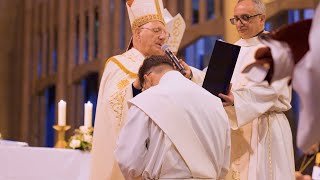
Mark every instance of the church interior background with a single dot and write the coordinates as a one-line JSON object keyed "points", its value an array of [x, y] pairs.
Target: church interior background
{"points": [[56, 49]]}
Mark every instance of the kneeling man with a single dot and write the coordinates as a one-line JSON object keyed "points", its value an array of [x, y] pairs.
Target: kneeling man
{"points": [[175, 128]]}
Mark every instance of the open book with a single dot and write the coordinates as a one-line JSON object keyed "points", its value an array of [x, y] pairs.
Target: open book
{"points": [[222, 62]]}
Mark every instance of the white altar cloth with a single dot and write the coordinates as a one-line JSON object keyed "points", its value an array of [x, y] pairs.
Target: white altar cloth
{"points": [[36, 163]]}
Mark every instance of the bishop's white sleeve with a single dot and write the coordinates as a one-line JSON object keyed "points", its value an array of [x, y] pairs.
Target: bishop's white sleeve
{"points": [[132, 144], [198, 76]]}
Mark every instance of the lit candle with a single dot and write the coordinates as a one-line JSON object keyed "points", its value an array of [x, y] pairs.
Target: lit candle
{"points": [[62, 113], [88, 114]]}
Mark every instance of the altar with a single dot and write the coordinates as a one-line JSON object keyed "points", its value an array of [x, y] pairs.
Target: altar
{"points": [[38, 163]]}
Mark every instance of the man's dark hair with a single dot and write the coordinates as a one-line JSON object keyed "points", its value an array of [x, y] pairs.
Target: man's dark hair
{"points": [[150, 62]]}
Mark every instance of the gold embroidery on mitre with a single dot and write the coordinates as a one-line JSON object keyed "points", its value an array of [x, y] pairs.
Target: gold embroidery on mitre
{"points": [[175, 33], [148, 18], [145, 19]]}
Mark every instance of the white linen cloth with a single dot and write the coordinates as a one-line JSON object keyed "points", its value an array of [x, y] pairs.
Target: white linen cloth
{"points": [[36, 163]]}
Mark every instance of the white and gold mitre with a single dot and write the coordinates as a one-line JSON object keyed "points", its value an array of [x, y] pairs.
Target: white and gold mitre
{"points": [[143, 11], [176, 27]]}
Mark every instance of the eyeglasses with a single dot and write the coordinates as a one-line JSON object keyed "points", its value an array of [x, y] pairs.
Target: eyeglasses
{"points": [[158, 31], [243, 18]]}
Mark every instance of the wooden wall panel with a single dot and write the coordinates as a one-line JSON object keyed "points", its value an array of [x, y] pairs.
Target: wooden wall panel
{"points": [[104, 50], [61, 81], [51, 30], [91, 8], [44, 22], [71, 98], [188, 12], [202, 11], [26, 95], [172, 6], [81, 30], [116, 27]]}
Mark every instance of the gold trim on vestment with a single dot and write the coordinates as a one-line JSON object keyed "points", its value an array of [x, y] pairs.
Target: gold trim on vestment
{"points": [[122, 67]]}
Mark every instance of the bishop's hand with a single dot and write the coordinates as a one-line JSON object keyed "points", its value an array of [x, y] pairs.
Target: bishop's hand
{"points": [[187, 68]]}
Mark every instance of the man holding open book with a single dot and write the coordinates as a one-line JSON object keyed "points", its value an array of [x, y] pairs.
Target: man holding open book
{"points": [[261, 137]]}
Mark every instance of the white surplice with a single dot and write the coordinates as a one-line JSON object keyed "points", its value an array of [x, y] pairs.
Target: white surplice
{"points": [[175, 130], [114, 91], [261, 136]]}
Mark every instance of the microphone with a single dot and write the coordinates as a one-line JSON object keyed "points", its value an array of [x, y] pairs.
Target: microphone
{"points": [[173, 58]]}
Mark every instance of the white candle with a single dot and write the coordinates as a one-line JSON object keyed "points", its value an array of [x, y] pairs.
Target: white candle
{"points": [[88, 114], [62, 113]]}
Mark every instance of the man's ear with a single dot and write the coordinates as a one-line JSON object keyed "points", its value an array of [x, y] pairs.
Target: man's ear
{"points": [[263, 19], [145, 78], [136, 33]]}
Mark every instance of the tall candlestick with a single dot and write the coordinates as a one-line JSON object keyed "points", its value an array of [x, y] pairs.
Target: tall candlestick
{"points": [[88, 114], [62, 113]]}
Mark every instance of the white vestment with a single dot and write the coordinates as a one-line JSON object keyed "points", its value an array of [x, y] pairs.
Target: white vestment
{"points": [[306, 81], [306, 78], [261, 139], [115, 89], [175, 130]]}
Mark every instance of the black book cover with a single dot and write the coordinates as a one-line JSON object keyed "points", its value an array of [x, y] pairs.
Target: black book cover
{"points": [[221, 66]]}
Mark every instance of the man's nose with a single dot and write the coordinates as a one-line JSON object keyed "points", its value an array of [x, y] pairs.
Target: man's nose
{"points": [[162, 36], [239, 22]]}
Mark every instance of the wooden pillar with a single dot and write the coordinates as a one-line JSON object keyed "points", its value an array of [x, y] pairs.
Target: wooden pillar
{"points": [[217, 8], [116, 27], [91, 29], [104, 34], [71, 63], [35, 106], [51, 23], [12, 124], [36, 44], [202, 11], [26, 101], [45, 37], [81, 31], [61, 55], [173, 7], [188, 12], [128, 31], [231, 34]]}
